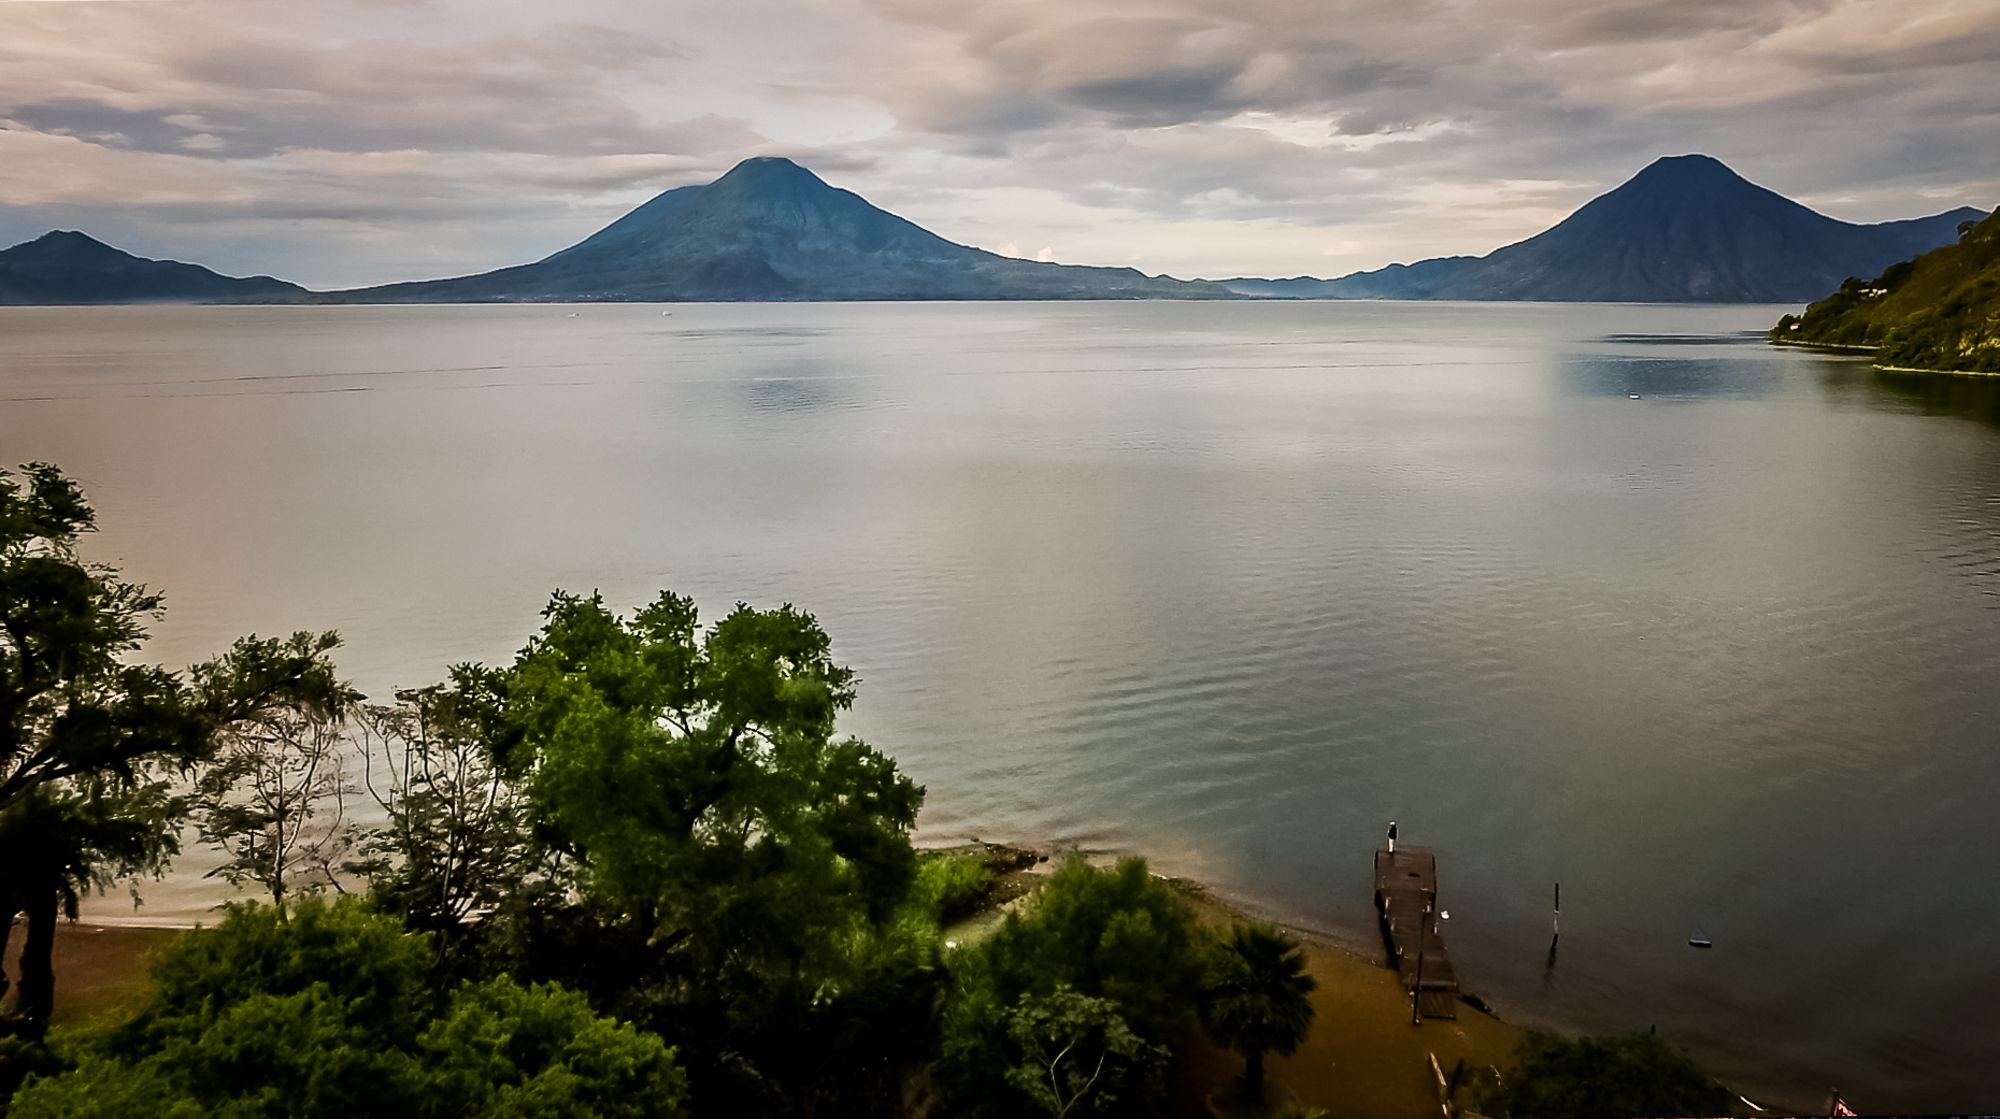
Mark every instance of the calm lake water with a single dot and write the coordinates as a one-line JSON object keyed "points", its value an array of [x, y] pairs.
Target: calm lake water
{"points": [[1232, 585]]}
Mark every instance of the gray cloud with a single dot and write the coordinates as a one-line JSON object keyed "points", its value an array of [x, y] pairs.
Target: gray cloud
{"points": [[348, 141]]}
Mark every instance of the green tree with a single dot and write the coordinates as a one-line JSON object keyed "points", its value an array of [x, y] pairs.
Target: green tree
{"points": [[695, 777], [738, 868], [1117, 935], [1587, 1077], [91, 747], [1076, 1056], [327, 1014], [1260, 1000], [540, 1052]]}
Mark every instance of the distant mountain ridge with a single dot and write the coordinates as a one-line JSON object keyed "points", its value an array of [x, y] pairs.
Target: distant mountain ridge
{"points": [[1684, 229], [64, 267], [1940, 311], [772, 230]]}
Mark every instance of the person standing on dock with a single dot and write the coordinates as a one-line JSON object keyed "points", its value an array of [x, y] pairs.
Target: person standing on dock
{"points": [[1392, 837]]}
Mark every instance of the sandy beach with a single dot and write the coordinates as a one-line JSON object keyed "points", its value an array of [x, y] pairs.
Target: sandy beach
{"points": [[1363, 1057]]}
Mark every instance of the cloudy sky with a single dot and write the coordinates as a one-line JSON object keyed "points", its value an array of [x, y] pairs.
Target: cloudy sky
{"points": [[341, 142]]}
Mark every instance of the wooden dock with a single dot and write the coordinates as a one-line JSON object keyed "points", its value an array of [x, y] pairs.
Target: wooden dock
{"points": [[1406, 896]]}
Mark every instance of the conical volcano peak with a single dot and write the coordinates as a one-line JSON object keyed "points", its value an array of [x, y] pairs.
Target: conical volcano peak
{"points": [[66, 243], [767, 172], [1684, 172], [772, 230], [69, 237], [1686, 228]]}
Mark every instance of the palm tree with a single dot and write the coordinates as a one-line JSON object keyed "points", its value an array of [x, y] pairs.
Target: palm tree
{"points": [[1260, 1001]]}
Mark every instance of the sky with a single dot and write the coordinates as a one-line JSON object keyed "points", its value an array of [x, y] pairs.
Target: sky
{"points": [[348, 142]]}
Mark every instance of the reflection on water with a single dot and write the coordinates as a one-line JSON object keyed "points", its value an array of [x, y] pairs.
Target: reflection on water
{"points": [[1853, 383], [1972, 398], [1731, 338], [1229, 584], [1593, 375]]}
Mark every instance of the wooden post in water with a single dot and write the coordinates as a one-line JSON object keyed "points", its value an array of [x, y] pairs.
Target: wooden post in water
{"points": [[1417, 992], [1556, 932]]}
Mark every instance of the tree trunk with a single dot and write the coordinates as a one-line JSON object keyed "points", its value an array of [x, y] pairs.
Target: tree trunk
{"points": [[7, 911], [1253, 1074], [38, 971]]}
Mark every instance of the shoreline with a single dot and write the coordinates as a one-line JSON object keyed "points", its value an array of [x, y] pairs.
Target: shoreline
{"points": [[1865, 351], [1829, 347], [1905, 369], [1363, 1056]]}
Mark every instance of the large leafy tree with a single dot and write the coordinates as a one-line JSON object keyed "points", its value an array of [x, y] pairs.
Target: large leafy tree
{"points": [[1261, 999], [739, 866], [91, 747]]}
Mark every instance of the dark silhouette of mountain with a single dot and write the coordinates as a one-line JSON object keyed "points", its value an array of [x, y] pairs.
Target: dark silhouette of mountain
{"points": [[1940, 311], [68, 267], [1685, 229], [772, 230]]}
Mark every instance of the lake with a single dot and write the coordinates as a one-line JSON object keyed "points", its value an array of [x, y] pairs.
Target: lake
{"points": [[1615, 596]]}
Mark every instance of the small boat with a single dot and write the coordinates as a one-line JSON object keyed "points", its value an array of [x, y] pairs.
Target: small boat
{"points": [[1699, 939]]}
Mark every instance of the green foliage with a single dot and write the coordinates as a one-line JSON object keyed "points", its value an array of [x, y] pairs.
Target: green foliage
{"points": [[695, 778], [327, 1014], [730, 873], [22, 1056], [542, 1053], [1260, 1000], [86, 742], [90, 746], [363, 961], [1585, 1078], [951, 886], [1076, 1056], [1939, 311], [1116, 935]]}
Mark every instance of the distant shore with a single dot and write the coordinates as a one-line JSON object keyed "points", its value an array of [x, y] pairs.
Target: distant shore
{"points": [[1940, 372], [1864, 351], [1828, 347]]}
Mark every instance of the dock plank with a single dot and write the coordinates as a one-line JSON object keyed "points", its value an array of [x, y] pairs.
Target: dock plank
{"points": [[1406, 898]]}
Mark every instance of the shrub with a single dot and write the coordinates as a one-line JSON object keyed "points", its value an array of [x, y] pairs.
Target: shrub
{"points": [[327, 1015], [1585, 1078], [952, 886]]}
